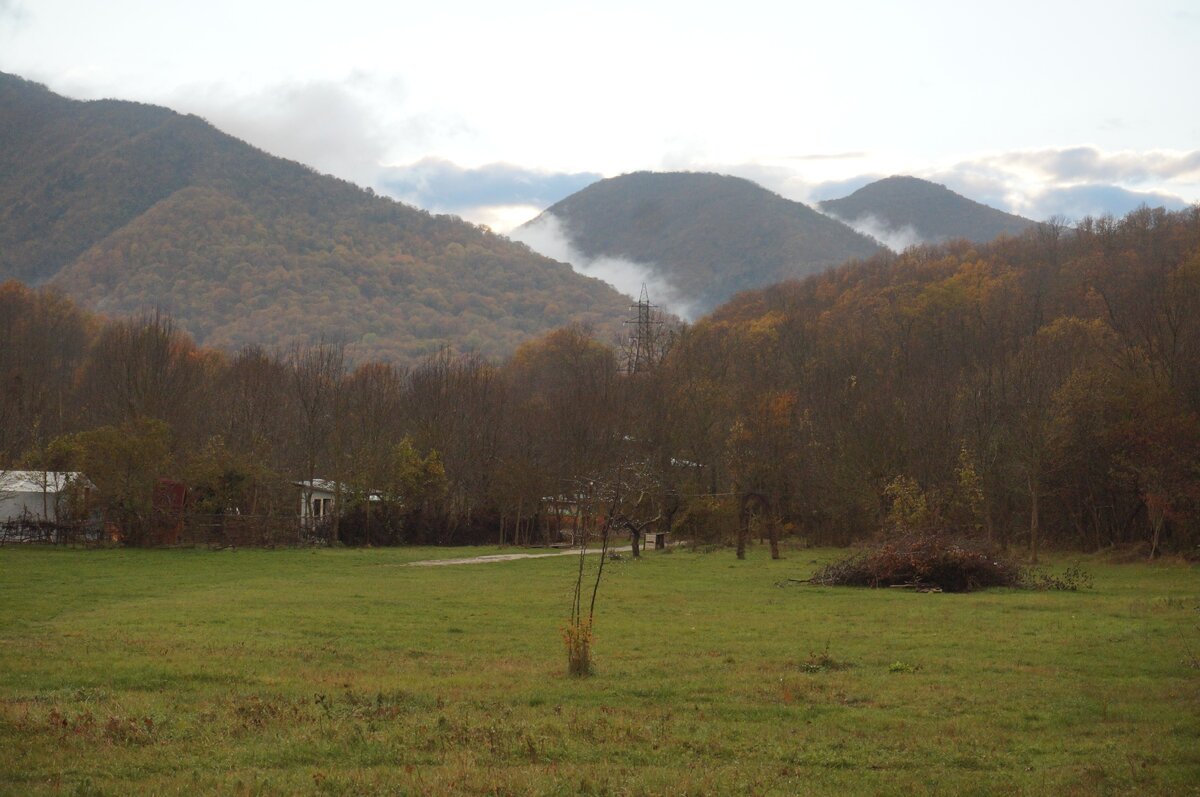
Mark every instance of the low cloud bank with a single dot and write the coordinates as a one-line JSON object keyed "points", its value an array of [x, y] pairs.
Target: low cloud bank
{"points": [[895, 238], [1093, 165], [546, 236], [1074, 182], [1075, 202]]}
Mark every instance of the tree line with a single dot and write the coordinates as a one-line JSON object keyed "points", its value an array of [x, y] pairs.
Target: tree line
{"points": [[1041, 390]]}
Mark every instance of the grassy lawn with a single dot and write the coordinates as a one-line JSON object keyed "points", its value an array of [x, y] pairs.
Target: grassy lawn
{"points": [[345, 672]]}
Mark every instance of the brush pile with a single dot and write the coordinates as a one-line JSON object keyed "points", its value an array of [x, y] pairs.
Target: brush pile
{"points": [[928, 561]]}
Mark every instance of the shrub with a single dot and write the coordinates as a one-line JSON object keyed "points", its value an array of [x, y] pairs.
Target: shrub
{"points": [[577, 636]]}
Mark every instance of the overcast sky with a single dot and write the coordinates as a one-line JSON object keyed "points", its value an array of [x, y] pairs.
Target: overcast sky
{"points": [[494, 110]]}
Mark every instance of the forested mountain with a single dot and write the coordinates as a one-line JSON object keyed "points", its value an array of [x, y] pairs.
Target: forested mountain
{"points": [[707, 235], [932, 212], [128, 206]]}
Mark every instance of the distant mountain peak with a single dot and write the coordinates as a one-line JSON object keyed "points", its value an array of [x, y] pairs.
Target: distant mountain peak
{"points": [[901, 210], [701, 236]]}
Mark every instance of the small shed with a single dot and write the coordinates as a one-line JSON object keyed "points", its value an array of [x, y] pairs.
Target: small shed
{"points": [[316, 499], [38, 494]]}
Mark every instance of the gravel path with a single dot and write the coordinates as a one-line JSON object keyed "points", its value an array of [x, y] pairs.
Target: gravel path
{"points": [[496, 557]]}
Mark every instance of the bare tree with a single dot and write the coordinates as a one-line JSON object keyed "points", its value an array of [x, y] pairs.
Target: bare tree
{"points": [[317, 373]]}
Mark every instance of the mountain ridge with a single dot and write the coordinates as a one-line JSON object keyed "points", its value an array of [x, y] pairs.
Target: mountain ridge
{"points": [[707, 235], [930, 210], [129, 206]]}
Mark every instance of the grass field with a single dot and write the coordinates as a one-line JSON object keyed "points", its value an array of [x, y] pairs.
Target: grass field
{"points": [[346, 672]]}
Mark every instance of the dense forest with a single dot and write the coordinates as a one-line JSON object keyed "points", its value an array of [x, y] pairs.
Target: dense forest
{"points": [[127, 207], [1038, 390], [931, 211], [706, 235]]}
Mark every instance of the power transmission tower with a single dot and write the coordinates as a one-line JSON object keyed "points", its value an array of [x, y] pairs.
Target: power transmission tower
{"points": [[641, 354]]}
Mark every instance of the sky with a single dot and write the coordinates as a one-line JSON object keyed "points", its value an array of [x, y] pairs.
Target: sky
{"points": [[495, 110]]}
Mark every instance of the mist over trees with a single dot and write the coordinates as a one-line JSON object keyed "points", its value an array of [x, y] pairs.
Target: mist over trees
{"points": [[1040, 391]]}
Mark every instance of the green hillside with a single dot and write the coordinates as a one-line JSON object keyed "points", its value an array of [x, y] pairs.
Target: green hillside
{"points": [[128, 206]]}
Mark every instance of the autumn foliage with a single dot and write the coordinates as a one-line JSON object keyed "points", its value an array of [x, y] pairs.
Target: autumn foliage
{"points": [[1039, 391]]}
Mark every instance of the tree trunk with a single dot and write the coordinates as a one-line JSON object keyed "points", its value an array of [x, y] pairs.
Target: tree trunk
{"points": [[1156, 523], [1033, 520], [773, 536], [337, 511]]}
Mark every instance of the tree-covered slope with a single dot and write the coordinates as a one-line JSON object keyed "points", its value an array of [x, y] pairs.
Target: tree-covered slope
{"points": [[129, 206], [707, 235], [1057, 371], [933, 212]]}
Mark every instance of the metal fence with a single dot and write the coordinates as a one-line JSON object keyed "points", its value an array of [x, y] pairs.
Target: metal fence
{"points": [[170, 529]]}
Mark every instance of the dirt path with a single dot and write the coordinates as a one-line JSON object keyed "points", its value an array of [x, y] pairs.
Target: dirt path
{"points": [[496, 557]]}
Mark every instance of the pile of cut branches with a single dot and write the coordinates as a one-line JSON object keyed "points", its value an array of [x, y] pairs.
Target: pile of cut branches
{"points": [[924, 561]]}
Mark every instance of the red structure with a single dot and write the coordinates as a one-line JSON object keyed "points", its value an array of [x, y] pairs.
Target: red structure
{"points": [[170, 501]]}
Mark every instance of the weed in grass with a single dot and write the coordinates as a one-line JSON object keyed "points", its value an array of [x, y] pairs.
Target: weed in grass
{"points": [[1191, 658], [129, 730], [577, 636], [903, 667], [1072, 579], [85, 788], [823, 662]]}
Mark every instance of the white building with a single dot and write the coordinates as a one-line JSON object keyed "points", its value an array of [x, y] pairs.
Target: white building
{"points": [[317, 498], [37, 494]]}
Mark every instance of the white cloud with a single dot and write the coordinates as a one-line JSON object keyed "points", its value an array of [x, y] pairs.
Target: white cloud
{"points": [[1069, 181], [1092, 165], [546, 236], [12, 14], [330, 125], [895, 238], [500, 218], [1075, 181], [1076, 201]]}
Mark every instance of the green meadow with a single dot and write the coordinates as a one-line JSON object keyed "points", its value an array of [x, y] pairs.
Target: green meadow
{"points": [[256, 672]]}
